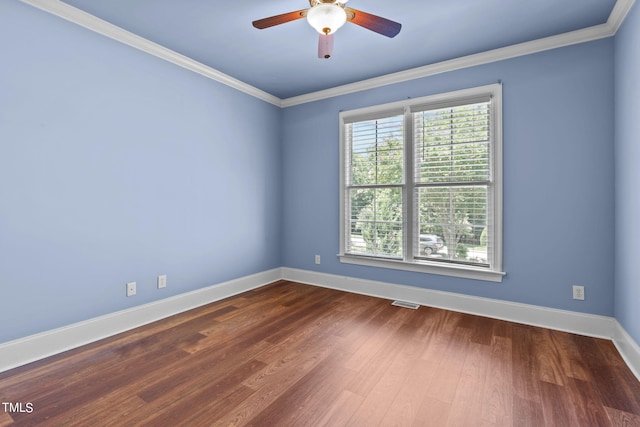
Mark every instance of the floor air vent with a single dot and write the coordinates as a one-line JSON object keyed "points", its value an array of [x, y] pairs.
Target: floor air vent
{"points": [[406, 304]]}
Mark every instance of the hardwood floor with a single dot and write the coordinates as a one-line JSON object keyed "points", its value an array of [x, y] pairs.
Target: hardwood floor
{"points": [[294, 355]]}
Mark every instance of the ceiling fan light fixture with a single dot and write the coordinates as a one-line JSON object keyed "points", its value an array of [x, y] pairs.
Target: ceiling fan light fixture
{"points": [[326, 18]]}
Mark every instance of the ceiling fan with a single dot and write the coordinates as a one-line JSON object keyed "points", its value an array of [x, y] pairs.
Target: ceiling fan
{"points": [[327, 16]]}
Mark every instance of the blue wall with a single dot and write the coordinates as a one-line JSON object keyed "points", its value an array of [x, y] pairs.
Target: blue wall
{"points": [[627, 177], [558, 178], [116, 166]]}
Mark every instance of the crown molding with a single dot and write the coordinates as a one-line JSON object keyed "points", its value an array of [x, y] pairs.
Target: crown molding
{"points": [[513, 51], [609, 29], [91, 22], [619, 12]]}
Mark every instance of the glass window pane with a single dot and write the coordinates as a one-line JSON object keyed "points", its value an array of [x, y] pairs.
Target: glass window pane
{"points": [[452, 224], [377, 152], [452, 144], [375, 223]]}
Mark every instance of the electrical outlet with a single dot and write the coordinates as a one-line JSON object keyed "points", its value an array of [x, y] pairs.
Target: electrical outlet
{"points": [[578, 292], [317, 259], [162, 281], [131, 289]]}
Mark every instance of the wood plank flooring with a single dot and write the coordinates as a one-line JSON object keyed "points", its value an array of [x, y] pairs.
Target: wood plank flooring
{"points": [[295, 355]]}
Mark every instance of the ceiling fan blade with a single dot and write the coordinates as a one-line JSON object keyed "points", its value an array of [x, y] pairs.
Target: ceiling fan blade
{"points": [[325, 46], [279, 19], [380, 25]]}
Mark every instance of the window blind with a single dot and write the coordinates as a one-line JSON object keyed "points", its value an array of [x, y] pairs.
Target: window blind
{"points": [[452, 179], [375, 177], [421, 184]]}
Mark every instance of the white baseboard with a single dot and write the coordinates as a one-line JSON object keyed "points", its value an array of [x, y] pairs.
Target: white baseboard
{"points": [[561, 320], [569, 321], [628, 348], [35, 347]]}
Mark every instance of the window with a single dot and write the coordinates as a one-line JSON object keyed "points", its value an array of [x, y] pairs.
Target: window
{"points": [[421, 184]]}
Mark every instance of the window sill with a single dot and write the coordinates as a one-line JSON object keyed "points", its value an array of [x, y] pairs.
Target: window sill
{"points": [[463, 271]]}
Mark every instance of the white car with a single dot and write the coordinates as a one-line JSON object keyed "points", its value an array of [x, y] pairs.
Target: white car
{"points": [[430, 244]]}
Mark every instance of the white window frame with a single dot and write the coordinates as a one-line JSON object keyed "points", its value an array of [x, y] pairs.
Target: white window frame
{"points": [[492, 273]]}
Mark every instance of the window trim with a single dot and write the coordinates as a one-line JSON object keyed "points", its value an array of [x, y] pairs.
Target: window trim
{"points": [[494, 273]]}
